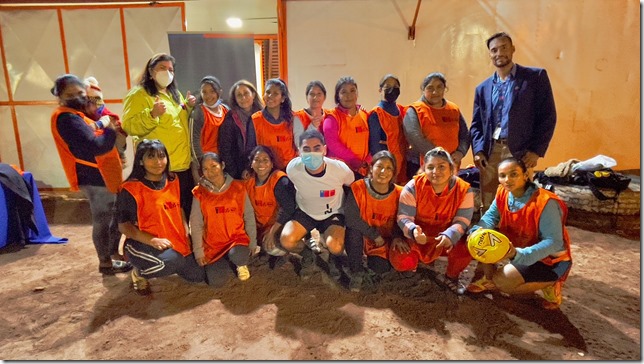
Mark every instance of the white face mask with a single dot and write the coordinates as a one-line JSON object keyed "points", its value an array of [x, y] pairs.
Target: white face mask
{"points": [[163, 78], [217, 103]]}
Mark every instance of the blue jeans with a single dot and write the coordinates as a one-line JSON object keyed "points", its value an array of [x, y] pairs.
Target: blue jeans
{"points": [[105, 230], [154, 263]]}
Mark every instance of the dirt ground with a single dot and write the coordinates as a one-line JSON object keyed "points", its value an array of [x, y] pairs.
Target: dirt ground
{"points": [[57, 306]]}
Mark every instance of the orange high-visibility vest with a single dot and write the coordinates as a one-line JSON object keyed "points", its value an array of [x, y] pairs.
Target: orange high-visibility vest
{"points": [[159, 212], [522, 226], [223, 215], [264, 202], [353, 132], [440, 126], [380, 214], [109, 164], [210, 130], [277, 137], [396, 141]]}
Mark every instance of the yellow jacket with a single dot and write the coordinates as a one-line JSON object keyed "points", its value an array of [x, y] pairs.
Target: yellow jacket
{"points": [[170, 128]]}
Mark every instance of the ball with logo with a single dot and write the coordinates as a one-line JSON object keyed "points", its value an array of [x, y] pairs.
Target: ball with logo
{"points": [[488, 246]]}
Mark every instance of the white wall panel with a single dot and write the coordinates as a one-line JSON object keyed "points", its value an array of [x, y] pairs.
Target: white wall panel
{"points": [[38, 149], [147, 34], [8, 150], [95, 48], [595, 76], [34, 52]]}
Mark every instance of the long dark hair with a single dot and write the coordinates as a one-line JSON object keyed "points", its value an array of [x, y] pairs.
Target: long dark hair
{"points": [[286, 107], [257, 103], [147, 82], [258, 149], [148, 147]]}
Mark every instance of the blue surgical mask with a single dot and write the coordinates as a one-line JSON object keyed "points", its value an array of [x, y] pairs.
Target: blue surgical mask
{"points": [[312, 160], [217, 103]]}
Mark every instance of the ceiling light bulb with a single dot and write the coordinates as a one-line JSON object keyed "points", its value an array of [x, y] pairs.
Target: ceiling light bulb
{"points": [[234, 22]]}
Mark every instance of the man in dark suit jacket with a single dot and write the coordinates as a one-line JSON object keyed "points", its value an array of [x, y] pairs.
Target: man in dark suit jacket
{"points": [[514, 115]]}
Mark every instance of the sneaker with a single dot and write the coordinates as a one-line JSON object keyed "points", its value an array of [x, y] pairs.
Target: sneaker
{"points": [[118, 266], [481, 285], [453, 284], [355, 284], [308, 268], [552, 296], [140, 284], [243, 273], [313, 245]]}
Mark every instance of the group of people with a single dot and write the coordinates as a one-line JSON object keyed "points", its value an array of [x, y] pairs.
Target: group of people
{"points": [[215, 183]]}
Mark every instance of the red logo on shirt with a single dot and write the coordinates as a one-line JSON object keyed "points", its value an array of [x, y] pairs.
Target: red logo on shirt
{"points": [[281, 138], [224, 210], [361, 129], [170, 205]]}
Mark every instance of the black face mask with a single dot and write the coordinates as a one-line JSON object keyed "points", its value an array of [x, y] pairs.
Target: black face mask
{"points": [[77, 103], [392, 94]]}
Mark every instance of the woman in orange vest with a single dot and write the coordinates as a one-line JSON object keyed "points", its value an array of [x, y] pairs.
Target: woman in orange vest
{"points": [[434, 212], [274, 124], [312, 116], [222, 223], [273, 198], [205, 120], [385, 126], [91, 164], [433, 121], [346, 130], [370, 214], [534, 221], [151, 218]]}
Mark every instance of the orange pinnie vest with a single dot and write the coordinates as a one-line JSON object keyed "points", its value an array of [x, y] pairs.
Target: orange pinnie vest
{"points": [[277, 137], [210, 130], [396, 141], [440, 126], [223, 215], [380, 214], [305, 118], [522, 227], [434, 213], [159, 212], [109, 164], [264, 202], [353, 132]]}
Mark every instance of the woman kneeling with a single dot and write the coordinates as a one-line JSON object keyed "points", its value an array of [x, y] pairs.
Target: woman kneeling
{"points": [[534, 221], [151, 218], [222, 223]]}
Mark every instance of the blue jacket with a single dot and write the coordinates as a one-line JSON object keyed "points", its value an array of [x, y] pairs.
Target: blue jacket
{"points": [[532, 116]]}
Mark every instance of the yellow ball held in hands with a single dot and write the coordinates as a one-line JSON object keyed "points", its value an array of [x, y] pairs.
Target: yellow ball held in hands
{"points": [[488, 246]]}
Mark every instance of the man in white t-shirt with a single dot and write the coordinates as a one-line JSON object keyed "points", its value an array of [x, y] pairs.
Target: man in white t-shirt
{"points": [[319, 194]]}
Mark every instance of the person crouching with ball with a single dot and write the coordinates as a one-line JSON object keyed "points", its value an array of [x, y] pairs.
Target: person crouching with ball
{"points": [[533, 219]]}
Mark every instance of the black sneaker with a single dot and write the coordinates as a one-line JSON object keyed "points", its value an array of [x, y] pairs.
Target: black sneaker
{"points": [[308, 268], [118, 266], [355, 284]]}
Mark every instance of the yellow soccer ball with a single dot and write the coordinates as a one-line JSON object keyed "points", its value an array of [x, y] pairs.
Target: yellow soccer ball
{"points": [[488, 246]]}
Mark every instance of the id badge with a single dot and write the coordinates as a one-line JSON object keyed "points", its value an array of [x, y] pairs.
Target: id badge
{"points": [[497, 133]]}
